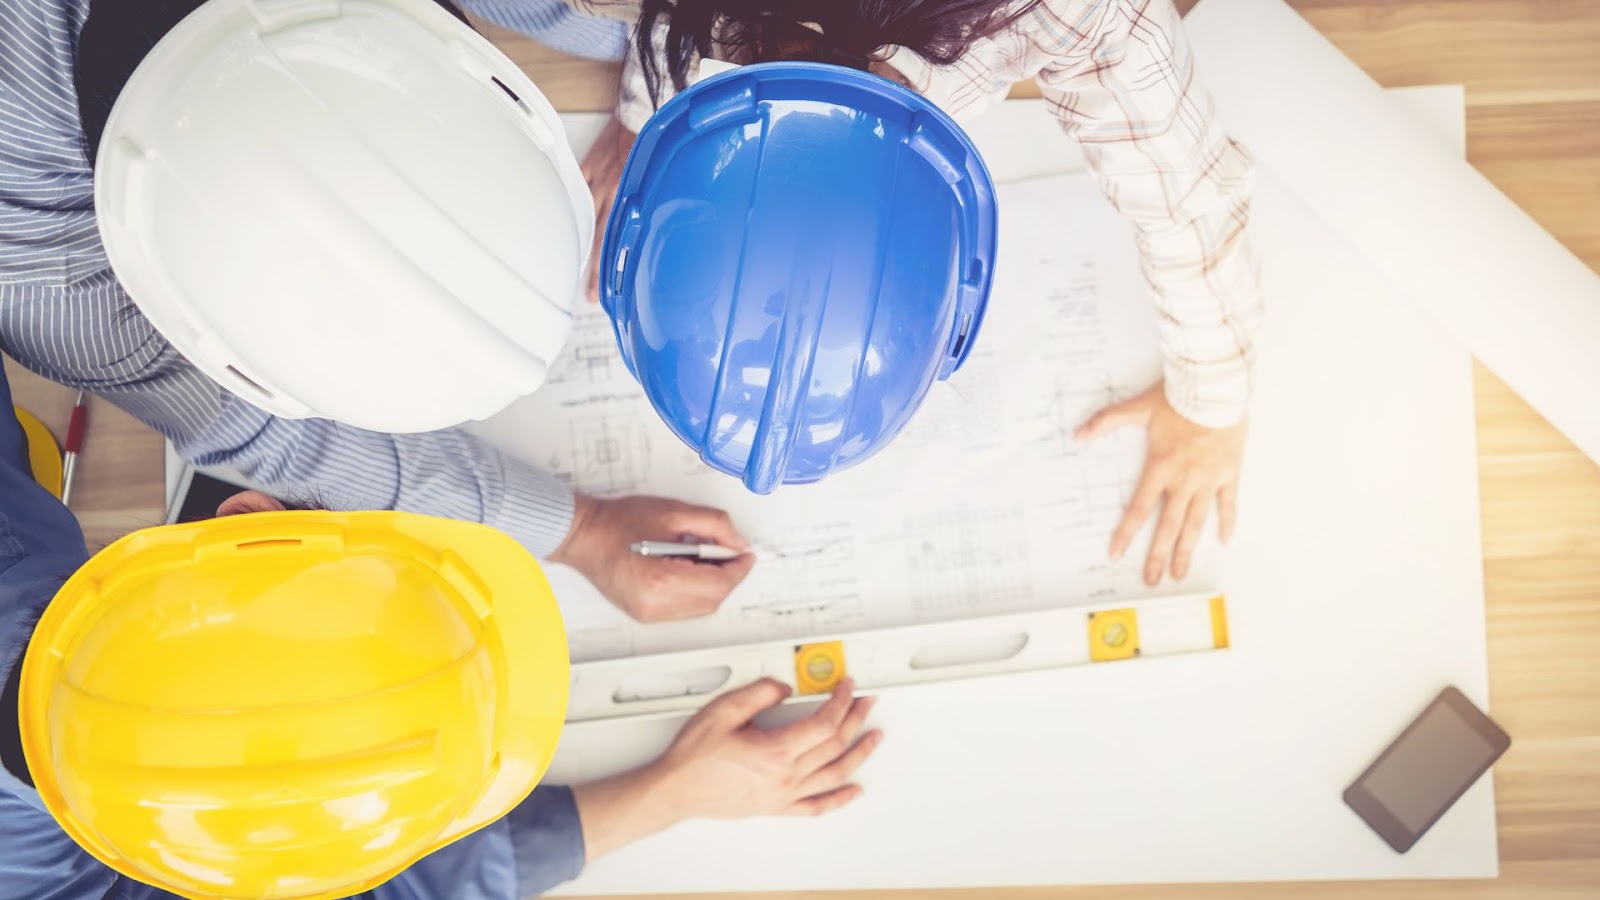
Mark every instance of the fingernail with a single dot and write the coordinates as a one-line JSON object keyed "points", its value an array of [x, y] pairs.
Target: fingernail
{"points": [[1116, 553]]}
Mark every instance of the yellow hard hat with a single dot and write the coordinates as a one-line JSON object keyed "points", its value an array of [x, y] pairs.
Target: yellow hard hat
{"points": [[292, 704]]}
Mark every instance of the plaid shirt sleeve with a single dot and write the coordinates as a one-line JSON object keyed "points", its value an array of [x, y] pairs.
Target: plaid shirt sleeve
{"points": [[1123, 85], [1120, 77]]}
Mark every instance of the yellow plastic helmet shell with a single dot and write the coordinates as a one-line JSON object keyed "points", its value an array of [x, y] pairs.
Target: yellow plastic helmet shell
{"points": [[44, 457], [293, 704]]}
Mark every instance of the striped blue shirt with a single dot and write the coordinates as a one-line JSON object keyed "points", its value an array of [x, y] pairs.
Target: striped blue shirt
{"points": [[63, 314], [554, 24]]}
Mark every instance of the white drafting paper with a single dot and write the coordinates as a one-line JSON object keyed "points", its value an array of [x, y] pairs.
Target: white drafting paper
{"points": [[986, 504], [1355, 594], [1450, 241]]}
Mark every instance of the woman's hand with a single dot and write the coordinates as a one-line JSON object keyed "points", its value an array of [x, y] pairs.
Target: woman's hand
{"points": [[1188, 464]]}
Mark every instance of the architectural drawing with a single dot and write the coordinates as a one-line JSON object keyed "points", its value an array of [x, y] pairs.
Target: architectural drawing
{"points": [[986, 503], [591, 357], [968, 561], [609, 456]]}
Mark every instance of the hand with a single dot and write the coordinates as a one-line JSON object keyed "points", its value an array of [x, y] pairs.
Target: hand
{"points": [[653, 589], [602, 169], [723, 766], [1188, 464]]}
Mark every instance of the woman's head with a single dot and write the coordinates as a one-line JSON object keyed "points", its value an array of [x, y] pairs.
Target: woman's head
{"points": [[843, 32]]}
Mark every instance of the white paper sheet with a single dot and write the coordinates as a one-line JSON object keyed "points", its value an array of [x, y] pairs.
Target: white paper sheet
{"points": [[1451, 242], [1355, 595]]}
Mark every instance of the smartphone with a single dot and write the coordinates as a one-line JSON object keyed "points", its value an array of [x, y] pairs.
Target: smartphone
{"points": [[1426, 770], [199, 495]]}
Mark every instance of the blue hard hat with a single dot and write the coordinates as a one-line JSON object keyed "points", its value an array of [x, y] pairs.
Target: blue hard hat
{"points": [[796, 253]]}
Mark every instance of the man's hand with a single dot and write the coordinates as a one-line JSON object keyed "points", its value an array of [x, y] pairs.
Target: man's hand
{"points": [[602, 169], [1187, 464], [653, 589], [723, 766]]}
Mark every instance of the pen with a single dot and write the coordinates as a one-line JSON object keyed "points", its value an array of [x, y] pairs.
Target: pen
{"points": [[713, 552], [76, 428]]}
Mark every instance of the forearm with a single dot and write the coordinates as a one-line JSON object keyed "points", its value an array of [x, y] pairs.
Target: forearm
{"points": [[1165, 161], [622, 809], [1205, 280]]}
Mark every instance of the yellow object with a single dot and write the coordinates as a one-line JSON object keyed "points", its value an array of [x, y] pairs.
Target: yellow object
{"points": [[44, 454], [818, 667], [1113, 634], [1219, 622], [292, 704]]}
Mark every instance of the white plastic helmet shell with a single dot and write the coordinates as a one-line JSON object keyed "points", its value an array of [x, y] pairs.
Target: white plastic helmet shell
{"points": [[351, 209]]}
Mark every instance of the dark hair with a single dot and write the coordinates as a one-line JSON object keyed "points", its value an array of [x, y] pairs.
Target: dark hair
{"points": [[941, 31], [114, 39]]}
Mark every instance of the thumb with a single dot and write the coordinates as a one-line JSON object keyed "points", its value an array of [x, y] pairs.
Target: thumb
{"points": [[1128, 412], [736, 708]]}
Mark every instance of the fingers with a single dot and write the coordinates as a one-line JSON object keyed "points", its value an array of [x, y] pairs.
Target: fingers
{"points": [[706, 583], [1166, 536], [705, 523], [1128, 412], [1135, 411], [1145, 498], [737, 707], [1227, 510], [834, 747], [804, 734], [838, 773], [823, 803], [1193, 522], [676, 588]]}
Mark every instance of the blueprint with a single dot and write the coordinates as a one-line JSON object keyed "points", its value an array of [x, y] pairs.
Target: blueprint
{"points": [[985, 504]]}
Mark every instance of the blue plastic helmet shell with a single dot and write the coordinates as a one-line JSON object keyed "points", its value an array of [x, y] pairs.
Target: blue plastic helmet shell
{"points": [[796, 253]]}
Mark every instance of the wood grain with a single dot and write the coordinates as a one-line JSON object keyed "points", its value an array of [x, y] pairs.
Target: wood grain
{"points": [[120, 485], [1532, 71]]}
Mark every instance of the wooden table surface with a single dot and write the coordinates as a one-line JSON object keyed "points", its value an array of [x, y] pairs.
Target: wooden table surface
{"points": [[1532, 72]]}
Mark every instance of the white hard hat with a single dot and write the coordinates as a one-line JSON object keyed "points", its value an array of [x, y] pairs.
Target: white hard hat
{"points": [[351, 209]]}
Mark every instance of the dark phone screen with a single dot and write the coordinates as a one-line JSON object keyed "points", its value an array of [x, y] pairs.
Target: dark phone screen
{"points": [[205, 494], [1426, 769]]}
